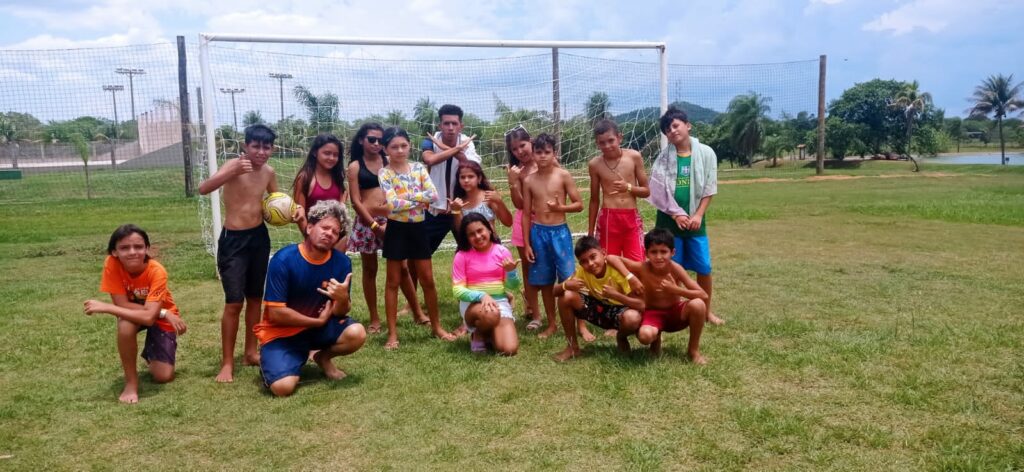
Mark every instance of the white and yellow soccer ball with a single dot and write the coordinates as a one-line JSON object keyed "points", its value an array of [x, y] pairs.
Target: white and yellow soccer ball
{"points": [[278, 209]]}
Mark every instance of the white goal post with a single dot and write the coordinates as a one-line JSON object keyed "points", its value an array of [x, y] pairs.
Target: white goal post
{"points": [[209, 111]]}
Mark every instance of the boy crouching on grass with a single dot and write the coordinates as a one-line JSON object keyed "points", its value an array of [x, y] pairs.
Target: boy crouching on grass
{"points": [[599, 292], [673, 301]]}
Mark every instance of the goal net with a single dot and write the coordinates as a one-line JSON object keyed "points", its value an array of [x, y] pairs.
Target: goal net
{"points": [[303, 89]]}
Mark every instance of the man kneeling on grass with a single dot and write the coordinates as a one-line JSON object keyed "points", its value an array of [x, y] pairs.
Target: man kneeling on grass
{"points": [[305, 307]]}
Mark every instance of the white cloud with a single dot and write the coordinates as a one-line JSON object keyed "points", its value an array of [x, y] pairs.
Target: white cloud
{"points": [[936, 16]]}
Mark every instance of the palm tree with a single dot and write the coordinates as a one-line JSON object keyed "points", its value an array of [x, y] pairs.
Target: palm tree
{"points": [[744, 122], [911, 102], [425, 115], [323, 108], [252, 117], [996, 96], [597, 107], [395, 118], [774, 147]]}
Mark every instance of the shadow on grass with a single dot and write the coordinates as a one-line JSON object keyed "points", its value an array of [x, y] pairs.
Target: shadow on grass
{"points": [[147, 387]]}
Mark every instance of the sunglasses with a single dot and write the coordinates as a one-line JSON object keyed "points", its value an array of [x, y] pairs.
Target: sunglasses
{"points": [[518, 127], [373, 139]]}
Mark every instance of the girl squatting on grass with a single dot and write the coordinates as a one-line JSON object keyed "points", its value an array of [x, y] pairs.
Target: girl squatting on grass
{"points": [[137, 286], [482, 272]]}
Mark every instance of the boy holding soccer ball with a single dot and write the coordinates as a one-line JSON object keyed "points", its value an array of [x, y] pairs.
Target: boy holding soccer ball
{"points": [[243, 247]]}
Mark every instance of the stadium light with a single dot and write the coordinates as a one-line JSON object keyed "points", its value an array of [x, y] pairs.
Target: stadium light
{"points": [[233, 91], [113, 89], [280, 76], [131, 73]]}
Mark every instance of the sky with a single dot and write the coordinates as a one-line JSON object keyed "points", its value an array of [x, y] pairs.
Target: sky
{"points": [[949, 46]]}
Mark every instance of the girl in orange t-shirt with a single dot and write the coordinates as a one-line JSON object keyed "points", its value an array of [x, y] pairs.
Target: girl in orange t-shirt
{"points": [[141, 301]]}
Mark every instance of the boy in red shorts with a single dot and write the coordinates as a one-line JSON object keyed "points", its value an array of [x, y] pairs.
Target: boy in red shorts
{"points": [[673, 301], [617, 179]]}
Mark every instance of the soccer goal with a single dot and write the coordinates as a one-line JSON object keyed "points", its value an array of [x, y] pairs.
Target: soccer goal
{"points": [[303, 86]]}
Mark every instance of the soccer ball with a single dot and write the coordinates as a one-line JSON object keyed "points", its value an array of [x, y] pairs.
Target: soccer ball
{"points": [[278, 208]]}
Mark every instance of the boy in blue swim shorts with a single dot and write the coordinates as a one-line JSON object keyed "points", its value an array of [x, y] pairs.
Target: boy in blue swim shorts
{"points": [[684, 179], [548, 194]]}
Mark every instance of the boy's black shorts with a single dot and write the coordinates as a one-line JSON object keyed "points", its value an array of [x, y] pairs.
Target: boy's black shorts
{"points": [[242, 258]]}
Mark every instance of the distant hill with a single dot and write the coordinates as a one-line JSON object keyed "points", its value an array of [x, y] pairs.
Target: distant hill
{"points": [[694, 112]]}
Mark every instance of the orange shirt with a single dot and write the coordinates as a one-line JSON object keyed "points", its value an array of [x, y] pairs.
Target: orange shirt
{"points": [[149, 286]]}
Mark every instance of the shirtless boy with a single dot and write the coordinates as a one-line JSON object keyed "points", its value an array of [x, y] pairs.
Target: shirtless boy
{"points": [[673, 301], [548, 239], [617, 179], [243, 247]]}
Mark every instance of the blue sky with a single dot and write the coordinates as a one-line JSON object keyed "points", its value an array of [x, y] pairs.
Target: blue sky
{"points": [[949, 46]]}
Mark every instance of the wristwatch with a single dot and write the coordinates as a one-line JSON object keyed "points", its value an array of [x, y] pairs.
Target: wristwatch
{"points": [[163, 313]]}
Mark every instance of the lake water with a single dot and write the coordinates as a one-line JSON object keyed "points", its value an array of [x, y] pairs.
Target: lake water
{"points": [[1016, 159]]}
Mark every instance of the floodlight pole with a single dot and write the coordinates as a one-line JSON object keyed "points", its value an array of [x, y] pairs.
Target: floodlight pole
{"points": [[234, 113], [280, 76], [131, 73], [113, 89]]}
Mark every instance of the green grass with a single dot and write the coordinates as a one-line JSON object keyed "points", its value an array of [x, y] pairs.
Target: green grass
{"points": [[873, 323]]}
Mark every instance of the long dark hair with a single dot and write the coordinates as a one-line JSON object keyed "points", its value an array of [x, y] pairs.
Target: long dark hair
{"points": [[124, 231], [519, 134], [355, 149], [483, 183], [391, 133], [305, 175], [463, 241]]}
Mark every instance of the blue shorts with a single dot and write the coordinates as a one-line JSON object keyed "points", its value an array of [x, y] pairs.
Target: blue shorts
{"points": [[693, 254], [284, 357], [552, 251]]}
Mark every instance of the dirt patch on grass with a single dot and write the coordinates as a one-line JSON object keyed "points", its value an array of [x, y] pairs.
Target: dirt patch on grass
{"points": [[817, 178]]}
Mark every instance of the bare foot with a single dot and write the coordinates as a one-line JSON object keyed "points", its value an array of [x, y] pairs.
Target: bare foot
{"points": [[697, 358], [422, 321], [715, 320], [587, 335], [445, 336], [405, 310], [552, 329], [608, 333], [251, 359], [622, 343], [656, 346], [391, 345], [130, 394], [226, 374], [330, 371], [568, 354], [374, 328], [460, 331]]}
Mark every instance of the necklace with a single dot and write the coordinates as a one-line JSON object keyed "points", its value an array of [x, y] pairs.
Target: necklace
{"points": [[617, 163]]}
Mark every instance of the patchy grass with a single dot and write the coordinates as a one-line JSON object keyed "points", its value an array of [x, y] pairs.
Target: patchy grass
{"points": [[872, 324]]}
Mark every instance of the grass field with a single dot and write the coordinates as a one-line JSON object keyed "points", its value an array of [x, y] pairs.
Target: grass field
{"points": [[873, 323]]}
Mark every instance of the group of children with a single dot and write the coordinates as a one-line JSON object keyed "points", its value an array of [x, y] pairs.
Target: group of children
{"points": [[617, 278]]}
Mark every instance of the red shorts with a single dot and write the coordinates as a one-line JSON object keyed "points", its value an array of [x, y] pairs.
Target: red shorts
{"points": [[621, 232], [670, 320]]}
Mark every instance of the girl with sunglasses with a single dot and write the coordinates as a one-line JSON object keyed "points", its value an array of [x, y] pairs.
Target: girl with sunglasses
{"points": [[366, 159]]}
